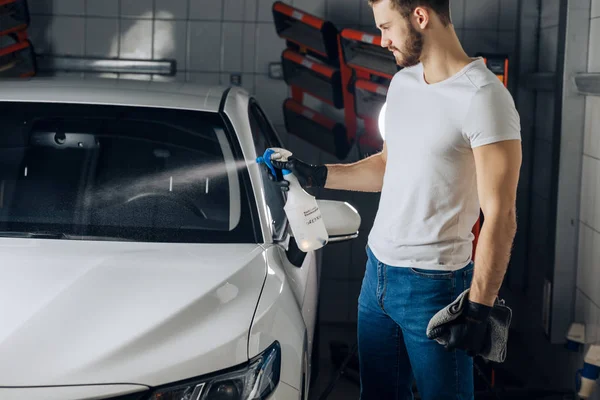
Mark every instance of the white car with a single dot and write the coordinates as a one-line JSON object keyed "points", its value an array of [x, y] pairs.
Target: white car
{"points": [[144, 253]]}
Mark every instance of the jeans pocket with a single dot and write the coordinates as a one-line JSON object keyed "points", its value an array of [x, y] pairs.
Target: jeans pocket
{"points": [[432, 274]]}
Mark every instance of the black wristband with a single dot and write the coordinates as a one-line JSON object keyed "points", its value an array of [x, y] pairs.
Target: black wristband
{"points": [[319, 177]]}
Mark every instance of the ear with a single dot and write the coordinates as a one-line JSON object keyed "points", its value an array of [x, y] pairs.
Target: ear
{"points": [[421, 16]]}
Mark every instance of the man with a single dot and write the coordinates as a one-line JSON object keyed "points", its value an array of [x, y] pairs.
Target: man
{"points": [[452, 146]]}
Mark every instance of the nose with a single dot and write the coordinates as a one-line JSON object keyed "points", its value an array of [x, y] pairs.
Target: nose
{"points": [[385, 42]]}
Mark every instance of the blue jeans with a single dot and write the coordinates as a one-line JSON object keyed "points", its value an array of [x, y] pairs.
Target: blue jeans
{"points": [[394, 308]]}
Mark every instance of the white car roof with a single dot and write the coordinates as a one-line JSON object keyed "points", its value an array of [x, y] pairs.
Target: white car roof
{"points": [[107, 91]]}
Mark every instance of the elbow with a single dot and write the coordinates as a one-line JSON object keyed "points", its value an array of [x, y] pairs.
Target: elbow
{"points": [[505, 217]]}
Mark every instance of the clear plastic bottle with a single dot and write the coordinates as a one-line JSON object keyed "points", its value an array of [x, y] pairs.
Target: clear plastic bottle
{"points": [[302, 209], [305, 216]]}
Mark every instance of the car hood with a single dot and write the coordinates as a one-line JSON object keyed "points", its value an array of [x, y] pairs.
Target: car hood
{"points": [[90, 313]]}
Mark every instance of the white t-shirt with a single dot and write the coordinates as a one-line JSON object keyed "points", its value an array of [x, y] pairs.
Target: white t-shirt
{"points": [[429, 201]]}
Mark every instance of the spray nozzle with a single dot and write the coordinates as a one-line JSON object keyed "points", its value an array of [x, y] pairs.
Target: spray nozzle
{"points": [[267, 158]]}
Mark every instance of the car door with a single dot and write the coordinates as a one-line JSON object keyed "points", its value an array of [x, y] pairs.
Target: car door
{"points": [[301, 268]]}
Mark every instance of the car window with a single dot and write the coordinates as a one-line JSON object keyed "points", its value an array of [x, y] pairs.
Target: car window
{"points": [[124, 173], [264, 136]]}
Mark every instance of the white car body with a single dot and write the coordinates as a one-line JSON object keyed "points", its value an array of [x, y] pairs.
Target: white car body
{"points": [[103, 319]]}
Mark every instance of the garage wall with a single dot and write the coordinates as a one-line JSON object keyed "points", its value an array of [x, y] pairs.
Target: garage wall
{"points": [[213, 39], [587, 300]]}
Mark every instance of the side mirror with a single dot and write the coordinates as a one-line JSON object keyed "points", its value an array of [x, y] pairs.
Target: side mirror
{"points": [[341, 220]]}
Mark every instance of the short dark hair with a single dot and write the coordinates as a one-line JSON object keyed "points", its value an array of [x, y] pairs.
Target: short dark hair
{"points": [[406, 7]]}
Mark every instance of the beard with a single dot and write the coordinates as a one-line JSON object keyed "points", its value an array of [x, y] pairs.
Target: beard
{"points": [[413, 47]]}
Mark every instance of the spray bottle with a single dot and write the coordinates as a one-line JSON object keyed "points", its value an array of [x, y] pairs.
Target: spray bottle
{"points": [[302, 210]]}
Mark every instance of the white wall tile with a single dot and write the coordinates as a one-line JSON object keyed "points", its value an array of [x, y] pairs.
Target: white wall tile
{"points": [[595, 269], [588, 313], [249, 48], [103, 8], [233, 10], [136, 38], [204, 39], [588, 269], [68, 7], [595, 8], [248, 83], [204, 78], [101, 37], [580, 306], [250, 10], [588, 190], [265, 10], [481, 14], [313, 7], [595, 214], [137, 8], [592, 126], [206, 10], [171, 9], [509, 16], [457, 13], [271, 94], [232, 42], [269, 47], [67, 35], [170, 41], [584, 258], [594, 52], [342, 12]]}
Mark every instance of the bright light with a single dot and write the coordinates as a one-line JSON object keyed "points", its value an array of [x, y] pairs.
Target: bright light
{"points": [[382, 121]]}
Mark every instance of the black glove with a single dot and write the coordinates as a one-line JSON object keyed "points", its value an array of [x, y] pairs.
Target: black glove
{"points": [[470, 331], [308, 175]]}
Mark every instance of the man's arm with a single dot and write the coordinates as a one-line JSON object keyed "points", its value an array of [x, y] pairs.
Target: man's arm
{"points": [[363, 176], [498, 166]]}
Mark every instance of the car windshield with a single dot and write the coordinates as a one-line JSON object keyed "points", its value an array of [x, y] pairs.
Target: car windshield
{"points": [[72, 171]]}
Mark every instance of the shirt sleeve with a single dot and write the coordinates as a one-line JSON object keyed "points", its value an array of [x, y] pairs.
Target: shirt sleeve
{"points": [[492, 117]]}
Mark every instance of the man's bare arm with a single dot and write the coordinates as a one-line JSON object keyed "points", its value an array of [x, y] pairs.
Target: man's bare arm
{"points": [[363, 176], [498, 166]]}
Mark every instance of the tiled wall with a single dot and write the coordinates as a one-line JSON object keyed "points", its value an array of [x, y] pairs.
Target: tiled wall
{"points": [[554, 365], [211, 39], [587, 303]]}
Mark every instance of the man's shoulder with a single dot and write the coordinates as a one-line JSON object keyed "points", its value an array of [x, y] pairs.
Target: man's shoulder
{"points": [[480, 77], [407, 74]]}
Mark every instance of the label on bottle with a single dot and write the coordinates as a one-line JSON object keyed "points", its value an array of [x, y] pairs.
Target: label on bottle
{"points": [[311, 216]]}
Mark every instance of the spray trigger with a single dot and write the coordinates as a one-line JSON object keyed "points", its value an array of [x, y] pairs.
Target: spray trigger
{"points": [[274, 154]]}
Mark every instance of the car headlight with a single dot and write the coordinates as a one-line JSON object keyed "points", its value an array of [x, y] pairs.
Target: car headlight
{"points": [[257, 380]]}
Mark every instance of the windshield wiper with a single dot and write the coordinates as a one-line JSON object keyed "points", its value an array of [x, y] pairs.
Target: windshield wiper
{"points": [[33, 235]]}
